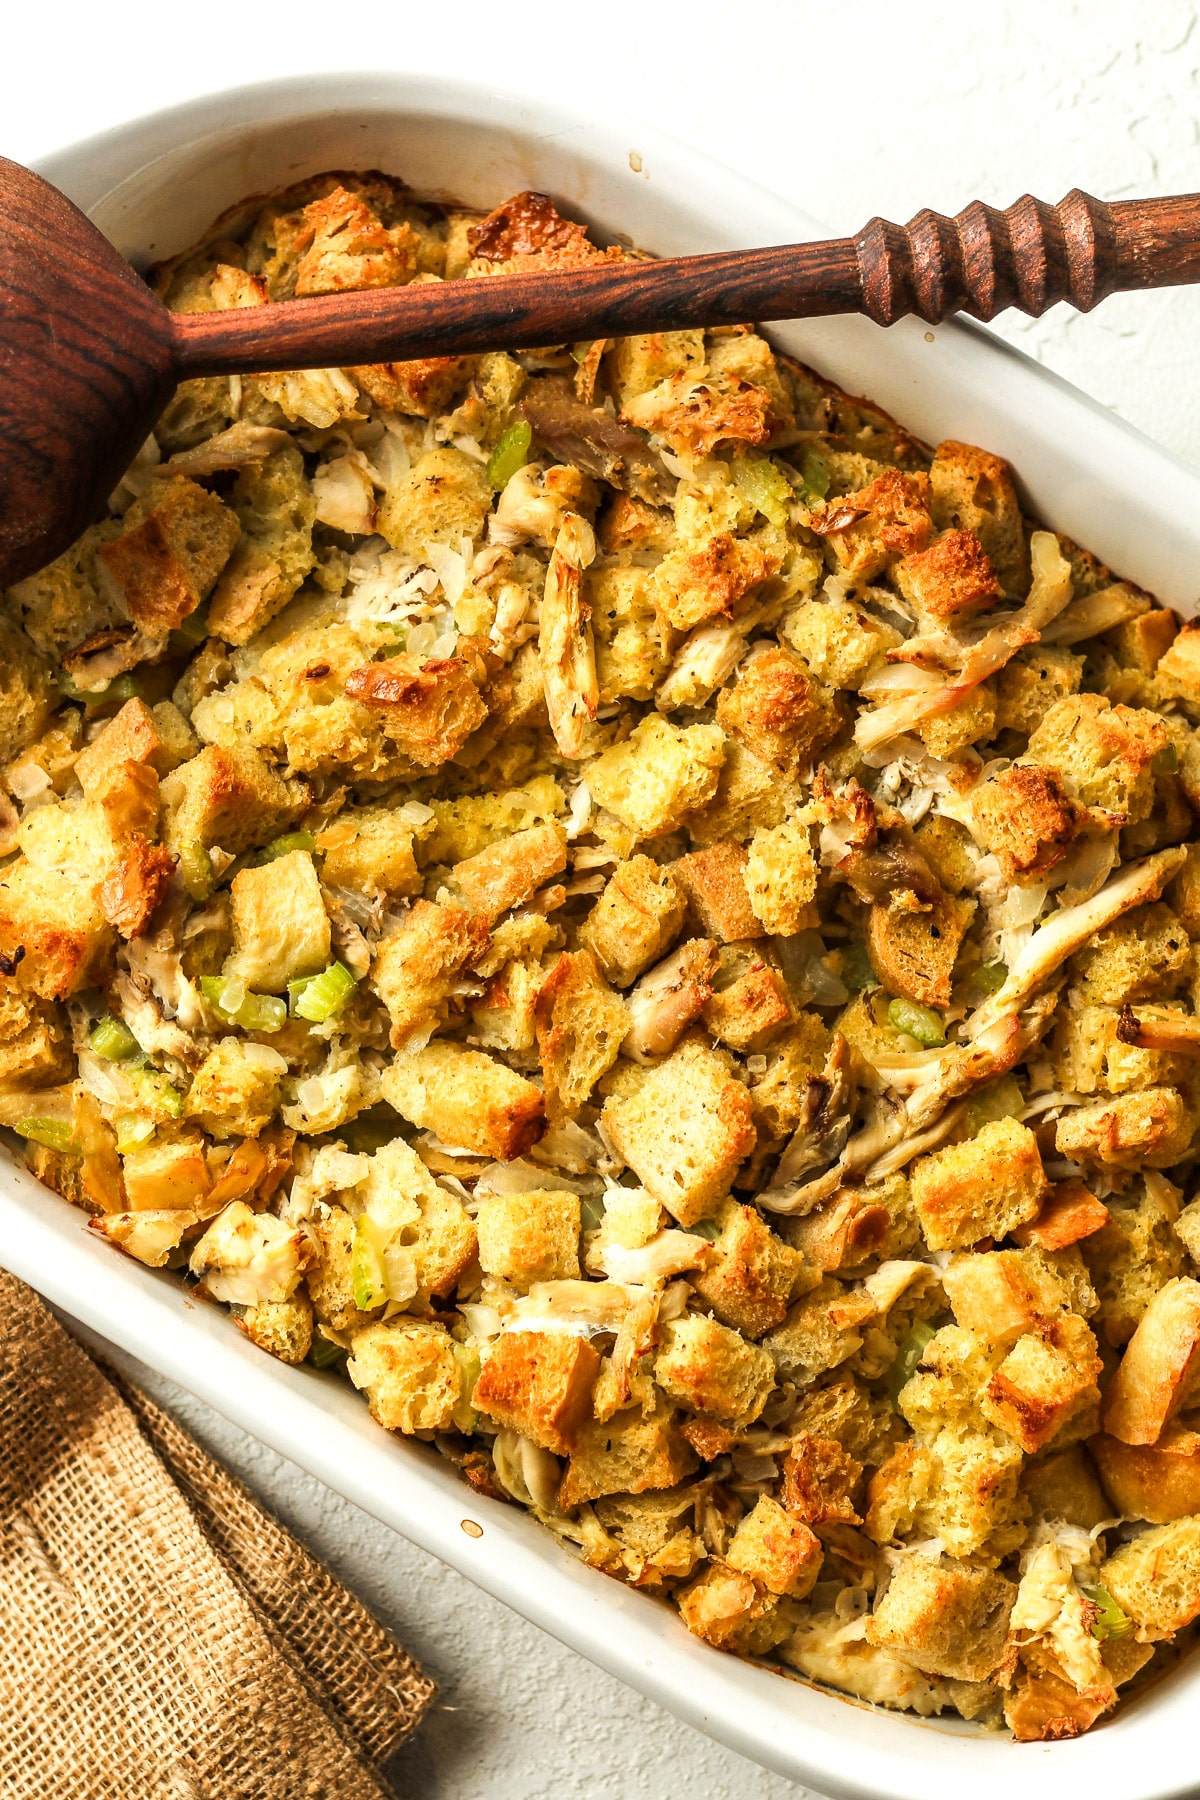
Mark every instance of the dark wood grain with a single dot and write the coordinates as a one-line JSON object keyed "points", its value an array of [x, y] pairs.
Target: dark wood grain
{"points": [[88, 357]]}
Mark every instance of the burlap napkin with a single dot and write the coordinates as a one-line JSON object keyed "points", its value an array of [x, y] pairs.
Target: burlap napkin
{"points": [[161, 1637]]}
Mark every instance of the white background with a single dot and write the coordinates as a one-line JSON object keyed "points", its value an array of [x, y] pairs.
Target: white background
{"points": [[852, 107]]}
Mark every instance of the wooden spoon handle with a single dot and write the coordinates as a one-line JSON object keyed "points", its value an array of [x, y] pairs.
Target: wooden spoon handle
{"points": [[1031, 255]]}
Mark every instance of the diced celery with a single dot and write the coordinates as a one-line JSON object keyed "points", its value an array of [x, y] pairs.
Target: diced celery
{"points": [[907, 1358], [195, 865], [991, 976], [464, 1415], [764, 486], [1111, 1620], [920, 1022], [366, 1266], [1001, 1099], [125, 687], [816, 475], [323, 1354], [194, 629], [857, 973], [283, 846], [1165, 761], [133, 1129], [511, 453], [591, 1212], [253, 1012], [112, 1039], [318, 997], [54, 1134], [158, 1093], [705, 1228]]}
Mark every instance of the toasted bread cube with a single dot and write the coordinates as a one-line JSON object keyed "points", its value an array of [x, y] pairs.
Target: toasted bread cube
{"points": [[34, 1043], [1044, 1382], [1102, 753], [55, 925], [1158, 1371], [888, 519], [626, 523], [1159, 1482], [953, 579], [633, 650], [971, 490], [685, 1131], [1089, 1056], [1178, 659], [1134, 1255], [466, 1099], [708, 1368], [282, 1328], [132, 736], [27, 693], [776, 710], [1145, 953], [636, 919], [660, 774], [1026, 819], [247, 1258], [275, 506], [508, 872], [226, 797], [1063, 1485], [529, 1237], [634, 1452], [751, 1010], [1042, 1706], [820, 1479], [173, 544], [235, 1091], [444, 497], [714, 882], [370, 849], [943, 1617], [727, 1610], [280, 926], [815, 1335], [780, 1092], [963, 1487], [580, 1027], [714, 579], [416, 968], [979, 1189], [426, 707], [416, 1214], [913, 953], [1151, 1129], [539, 1383], [169, 1173], [409, 1373], [776, 1550], [780, 877], [838, 640], [1002, 1294], [753, 1274], [749, 797], [1156, 1578], [944, 1388], [423, 387], [640, 363], [970, 720], [1029, 685]]}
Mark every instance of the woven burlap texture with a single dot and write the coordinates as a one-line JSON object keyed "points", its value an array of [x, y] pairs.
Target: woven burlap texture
{"points": [[161, 1638]]}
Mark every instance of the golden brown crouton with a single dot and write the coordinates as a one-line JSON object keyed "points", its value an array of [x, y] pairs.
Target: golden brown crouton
{"points": [[1026, 819], [820, 1479], [749, 797], [753, 1274], [637, 917], [507, 873], [173, 544], [878, 524], [944, 1617], [417, 966], [1027, 686], [131, 736], [1134, 1254], [631, 1453], [973, 491], [409, 1373], [280, 927], [1102, 753], [539, 1383], [714, 882], [777, 1550], [135, 885], [963, 1486], [727, 1610], [781, 878], [428, 708], [173, 1172], [1063, 1485], [34, 1046], [659, 775], [580, 1026], [339, 242], [1146, 953], [370, 849], [953, 579], [684, 1131], [1151, 1129], [1179, 664], [633, 649], [466, 1099], [778, 712], [1156, 1578], [981, 1188], [914, 953], [692, 585], [444, 497], [529, 1237], [708, 1368], [423, 387], [282, 1328], [839, 641], [1044, 1382], [228, 797], [816, 1334], [1157, 1372], [1159, 1482], [52, 929], [276, 509], [1002, 1294], [235, 1091], [751, 1009], [329, 1276], [1071, 1212]]}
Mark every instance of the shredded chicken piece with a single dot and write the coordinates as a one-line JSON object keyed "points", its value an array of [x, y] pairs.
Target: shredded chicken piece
{"points": [[566, 650]]}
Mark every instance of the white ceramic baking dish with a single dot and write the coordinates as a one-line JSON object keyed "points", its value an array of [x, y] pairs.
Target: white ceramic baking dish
{"points": [[154, 186]]}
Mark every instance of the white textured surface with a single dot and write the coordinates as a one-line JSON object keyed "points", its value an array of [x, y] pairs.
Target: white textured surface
{"points": [[854, 107]]}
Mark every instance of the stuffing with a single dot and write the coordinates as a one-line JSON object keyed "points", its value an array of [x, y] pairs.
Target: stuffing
{"points": [[780, 877], [751, 1009], [1151, 1129], [1145, 954], [1156, 1578], [427, 708], [1047, 1380], [821, 1481], [227, 797], [530, 1236], [709, 1368], [1159, 1482], [981, 1188], [943, 1617], [778, 1551], [1103, 754], [715, 885], [274, 505], [507, 873], [280, 925], [1133, 1255], [971, 490], [34, 1043], [749, 796], [53, 932], [580, 1025], [466, 1097], [247, 1258], [1025, 817], [174, 543], [236, 1090], [1158, 1371], [1029, 685], [169, 1173], [636, 919], [914, 953], [417, 967], [633, 650], [283, 1328], [692, 586], [444, 497], [728, 1610], [659, 775], [684, 1131], [839, 642], [633, 1452], [539, 1383], [776, 710], [878, 524], [409, 1373], [953, 579], [752, 1275], [370, 850]]}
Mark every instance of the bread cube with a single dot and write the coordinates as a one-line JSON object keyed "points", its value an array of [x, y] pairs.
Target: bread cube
{"points": [[751, 1010], [409, 1373], [953, 579], [633, 1452], [247, 1258], [780, 877], [820, 1479], [503, 1016], [1178, 660], [963, 1487], [1102, 753], [282, 1328], [34, 1042], [981, 1188], [170, 1172], [1145, 953], [971, 490], [1063, 1485], [636, 919], [708, 1368], [776, 710], [752, 1275], [838, 640], [466, 1099], [685, 1131], [626, 523], [1158, 1371], [174, 542], [633, 650], [776, 1550], [370, 849], [580, 1027], [1151, 1129], [944, 1618], [1029, 685], [970, 720], [445, 496], [417, 967], [506, 873], [53, 927], [1002, 1294], [228, 797], [329, 1275], [423, 388], [1045, 1382], [640, 363], [714, 882], [660, 774], [944, 1388], [1155, 1579], [815, 1335], [779, 1093], [539, 1383], [884, 521], [1159, 1482], [1026, 819], [749, 797], [280, 926], [131, 736], [695, 583], [1134, 1255], [1089, 1056], [235, 1091], [529, 1237], [426, 707], [276, 509], [728, 1611], [913, 953]]}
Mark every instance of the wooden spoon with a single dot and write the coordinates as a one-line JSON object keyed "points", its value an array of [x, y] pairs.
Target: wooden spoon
{"points": [[89, 357]]}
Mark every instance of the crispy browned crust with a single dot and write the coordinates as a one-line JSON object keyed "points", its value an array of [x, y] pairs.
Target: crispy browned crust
{"points": [[821, 1481], [429, 708], [540, 1384], [1027, 819], [132, 890], [714, 882]]}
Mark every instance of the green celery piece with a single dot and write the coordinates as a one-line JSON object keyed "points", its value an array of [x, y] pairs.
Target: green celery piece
{"points": [[112, 1039], [52, 1134], [907, 1357], [857, 973], [1000, 1099], [159, 1094], [283, 846], [816, 475], [195, 865], [991, 977], [920, 1022], [1111, 1620], [125, 687], [705, 1228], [133, 1130], [464, 1415], [511, 453], [366, 1266], [323, 1354], [764, 486], [318, 997]]}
